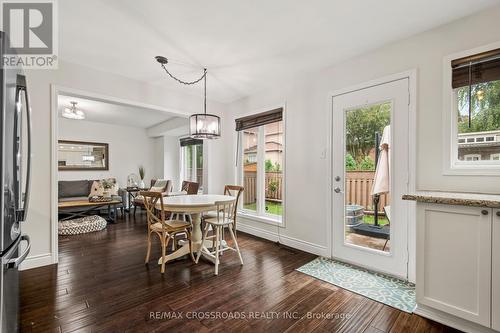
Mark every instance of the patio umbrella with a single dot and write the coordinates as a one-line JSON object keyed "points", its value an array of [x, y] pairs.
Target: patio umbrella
{"points": [[382, 180]]}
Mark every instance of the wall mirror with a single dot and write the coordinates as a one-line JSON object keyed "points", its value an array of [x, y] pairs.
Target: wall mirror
{"points": [[80, 155]]}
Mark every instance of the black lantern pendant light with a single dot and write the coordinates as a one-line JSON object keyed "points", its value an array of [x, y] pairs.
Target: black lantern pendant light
{"points": [[201, 125]]}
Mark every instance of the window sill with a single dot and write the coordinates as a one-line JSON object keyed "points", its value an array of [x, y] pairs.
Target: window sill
{"points": [[472, 170], [278, 221]]}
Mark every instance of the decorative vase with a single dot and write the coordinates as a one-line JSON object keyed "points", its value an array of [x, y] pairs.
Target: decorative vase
{"points": [[142, 185]]}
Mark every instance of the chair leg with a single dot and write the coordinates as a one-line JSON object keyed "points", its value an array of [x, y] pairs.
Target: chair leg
{"points": [[213, 237], [135, 208], [202, 242], [233, 236], [164, 244], [217, 245], [222, 238], [188, 233], [149, 249]]}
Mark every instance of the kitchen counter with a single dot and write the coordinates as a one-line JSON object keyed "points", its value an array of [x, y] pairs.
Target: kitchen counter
{"points": [[455, 198]]}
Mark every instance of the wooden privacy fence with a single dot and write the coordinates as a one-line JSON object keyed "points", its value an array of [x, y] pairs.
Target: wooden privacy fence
{"points": [[358, 189], [250, 185], [273, 186]]}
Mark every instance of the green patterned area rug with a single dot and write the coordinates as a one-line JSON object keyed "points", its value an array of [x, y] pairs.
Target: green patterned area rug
{"points": [[382, 288]]}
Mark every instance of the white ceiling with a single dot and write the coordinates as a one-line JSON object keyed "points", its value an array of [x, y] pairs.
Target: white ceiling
{"points": [[117, 114], [246, 45]]}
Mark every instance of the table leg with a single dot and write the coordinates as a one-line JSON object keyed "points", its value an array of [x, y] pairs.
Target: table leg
{"points": [[196, 234], [111, 218], [129, 203], [196, 237], [80, 213]]}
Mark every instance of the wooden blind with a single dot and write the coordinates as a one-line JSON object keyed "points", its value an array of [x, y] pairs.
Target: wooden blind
{"points": [[483, 67], [190, 142], [259, 119]]}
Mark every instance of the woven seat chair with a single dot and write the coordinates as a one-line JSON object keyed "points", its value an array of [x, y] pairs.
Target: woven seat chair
{"points": [[166, 230]]}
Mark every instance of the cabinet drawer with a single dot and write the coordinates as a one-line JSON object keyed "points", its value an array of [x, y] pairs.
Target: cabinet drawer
{"points": [[454, 260]]}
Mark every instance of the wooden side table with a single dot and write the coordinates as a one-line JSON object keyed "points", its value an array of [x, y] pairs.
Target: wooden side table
{"points": [[132, 192]]}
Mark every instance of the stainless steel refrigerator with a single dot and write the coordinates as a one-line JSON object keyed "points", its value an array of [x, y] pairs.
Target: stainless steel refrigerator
{"points": [[15, 147]]}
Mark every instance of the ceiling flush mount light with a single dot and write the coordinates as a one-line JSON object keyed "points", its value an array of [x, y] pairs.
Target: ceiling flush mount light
{"points": [[201, 125], [72, 113]]}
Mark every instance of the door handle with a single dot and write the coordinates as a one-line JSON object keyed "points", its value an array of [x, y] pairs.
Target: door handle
{"points": [[22, 195], [14, 263]]}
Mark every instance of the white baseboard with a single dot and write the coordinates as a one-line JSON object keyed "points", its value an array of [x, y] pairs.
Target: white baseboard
{"points": [[450, 320], [37, 261], [285, 240]]}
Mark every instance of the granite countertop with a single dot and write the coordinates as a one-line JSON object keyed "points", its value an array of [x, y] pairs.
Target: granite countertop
{"points": [[456, 198]]}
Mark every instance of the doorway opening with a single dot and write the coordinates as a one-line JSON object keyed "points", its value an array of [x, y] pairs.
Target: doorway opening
{"points": [[105, 145]]}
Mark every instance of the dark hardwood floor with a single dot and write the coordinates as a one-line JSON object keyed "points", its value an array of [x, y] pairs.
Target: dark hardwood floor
{"points": [[102, 285]]}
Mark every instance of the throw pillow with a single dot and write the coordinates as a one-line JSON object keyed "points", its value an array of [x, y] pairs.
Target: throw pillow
{"points": [[96, 190], [113, 190], [159, 185]]}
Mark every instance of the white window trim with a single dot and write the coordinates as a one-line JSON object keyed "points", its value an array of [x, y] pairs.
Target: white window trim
{"points": [[472, 155], [451, 165], [182, 155], [492, 156], [260, 215]]}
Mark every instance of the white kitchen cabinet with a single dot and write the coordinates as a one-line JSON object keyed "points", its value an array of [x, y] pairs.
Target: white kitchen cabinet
{"points": [[454, 261], [495, 305]]}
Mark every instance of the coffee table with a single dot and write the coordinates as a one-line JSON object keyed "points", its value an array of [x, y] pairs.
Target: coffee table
{"points": [[80, 208]]}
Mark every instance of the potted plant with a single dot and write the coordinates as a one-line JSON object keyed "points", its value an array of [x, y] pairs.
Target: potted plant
{"points": [[142, 174]]}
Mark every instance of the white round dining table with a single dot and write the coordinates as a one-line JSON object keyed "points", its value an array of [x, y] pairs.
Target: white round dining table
{"points": [[193, 205]]}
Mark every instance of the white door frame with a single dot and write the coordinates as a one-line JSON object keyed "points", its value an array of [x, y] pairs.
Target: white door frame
{"points": [[55, 91], [411, 75]]}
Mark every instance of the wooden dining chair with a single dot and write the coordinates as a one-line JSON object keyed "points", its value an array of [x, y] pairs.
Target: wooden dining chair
{"points": [[166, 230], [225, 215], [234, 191], [190, 187]]}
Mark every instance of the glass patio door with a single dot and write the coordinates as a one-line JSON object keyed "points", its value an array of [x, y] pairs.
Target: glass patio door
{"points": [[370, 137]]}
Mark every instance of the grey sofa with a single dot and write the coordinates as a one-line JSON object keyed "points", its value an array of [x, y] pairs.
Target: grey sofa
{"points": [[73, 190]]}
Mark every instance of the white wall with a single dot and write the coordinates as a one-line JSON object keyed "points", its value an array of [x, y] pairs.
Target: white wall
{"points": [[158, 158], [39, 222], [307, 106], [129, 147], [171, 162]]}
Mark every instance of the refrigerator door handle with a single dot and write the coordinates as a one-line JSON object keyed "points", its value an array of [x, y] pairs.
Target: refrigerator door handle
{"points": [[14, 263], [22, 196]]}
